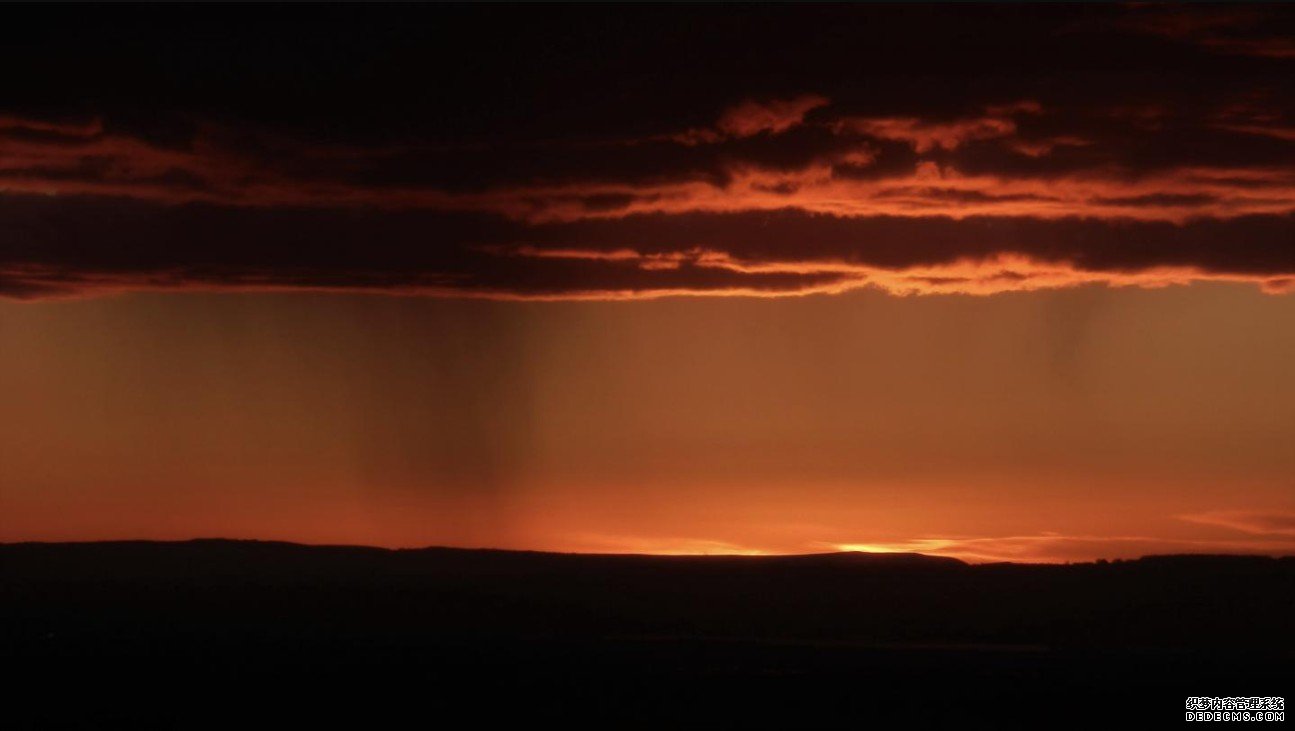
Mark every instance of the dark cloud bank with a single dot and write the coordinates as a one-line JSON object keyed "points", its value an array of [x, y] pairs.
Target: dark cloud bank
{"points": [[628, 152]]}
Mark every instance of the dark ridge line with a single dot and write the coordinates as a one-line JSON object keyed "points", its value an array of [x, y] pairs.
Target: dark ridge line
{"points": [[843, 558]]}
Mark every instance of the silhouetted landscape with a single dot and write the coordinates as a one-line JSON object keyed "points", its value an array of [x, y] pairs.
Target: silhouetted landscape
{"points": [[671, 297], [216, 631]]}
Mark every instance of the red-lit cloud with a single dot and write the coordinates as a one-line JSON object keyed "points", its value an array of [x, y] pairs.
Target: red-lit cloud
{"points": [[751, 118], [1228, 30], [1060, 548], [1277, 524], [830, 178], [925, 136], [1031, 548]]}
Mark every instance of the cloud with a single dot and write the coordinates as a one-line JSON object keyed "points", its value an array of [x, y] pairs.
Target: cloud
{"points": [[1248, 521], [1060, 548], [925, 136], [779, 115], [1246, 31], [87, 245], [751, 118], [959, 171], [12, 124], [119, 167], [658, 545]]}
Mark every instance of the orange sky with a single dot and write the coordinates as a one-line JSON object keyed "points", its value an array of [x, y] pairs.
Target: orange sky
{"points": [[592, 278], [1060, 425]]}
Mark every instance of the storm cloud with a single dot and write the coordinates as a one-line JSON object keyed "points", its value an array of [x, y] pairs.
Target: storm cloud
{"points": [[752, 151]]}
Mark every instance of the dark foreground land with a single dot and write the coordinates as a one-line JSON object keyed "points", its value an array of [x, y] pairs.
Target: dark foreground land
{"points": [[246, 635]]}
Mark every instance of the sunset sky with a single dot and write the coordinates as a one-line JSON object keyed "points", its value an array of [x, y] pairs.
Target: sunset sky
{"points": [[997, 282]]}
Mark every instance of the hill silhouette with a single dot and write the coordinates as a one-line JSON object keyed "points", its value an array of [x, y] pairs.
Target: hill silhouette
{"points": [[624, 640]]}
